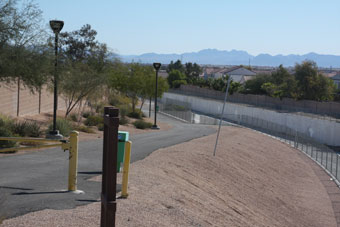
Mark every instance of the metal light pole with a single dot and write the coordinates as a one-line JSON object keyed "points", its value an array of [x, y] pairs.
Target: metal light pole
{"points": [[156, 66], [56, 26], [221, 117]]}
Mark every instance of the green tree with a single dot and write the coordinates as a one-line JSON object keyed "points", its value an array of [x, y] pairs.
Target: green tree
{"points": [[254, 86], [176, 78], [271, 89], [220, 83], [131, 80], [20, 26], [311, 84], [285, 84], [192, 70], [234, 87], [22, 54], [175, 66], [85, 65], [135, 80], [149, 87]]}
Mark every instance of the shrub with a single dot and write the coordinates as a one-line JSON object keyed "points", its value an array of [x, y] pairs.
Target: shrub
{"points": [[63, 125], [74, 117], [18, 128], [86, 114], [5, 121], [2, 123], [94, 120], [124, 110], [180, 108], [99, 107], [137, 114], [119, 100], [4, 132], [142, 124], [33, 129], [26, 128], [100, 127], [83, 128], [176, 107], [123, 121], [178, 83]]}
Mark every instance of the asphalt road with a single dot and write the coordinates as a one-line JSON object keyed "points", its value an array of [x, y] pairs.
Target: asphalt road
{"points": [[35, 181]]}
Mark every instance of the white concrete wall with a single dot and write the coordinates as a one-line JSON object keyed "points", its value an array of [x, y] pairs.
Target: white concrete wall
{"points": [[324, 131], [236, 78]]}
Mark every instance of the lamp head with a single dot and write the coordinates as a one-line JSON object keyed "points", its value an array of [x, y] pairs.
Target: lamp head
{"points": [[157, 65], [56, 25]]}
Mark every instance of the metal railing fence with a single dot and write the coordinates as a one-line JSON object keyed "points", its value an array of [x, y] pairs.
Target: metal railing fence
{"points": [[326, 157], [323, 110]]}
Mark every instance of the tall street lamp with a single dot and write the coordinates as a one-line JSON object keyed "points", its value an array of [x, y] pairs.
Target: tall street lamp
{"points": [[56, 26], [156, 66]]}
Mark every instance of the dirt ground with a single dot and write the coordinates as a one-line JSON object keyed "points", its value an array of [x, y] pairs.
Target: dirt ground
{"points": [[253, 180]]}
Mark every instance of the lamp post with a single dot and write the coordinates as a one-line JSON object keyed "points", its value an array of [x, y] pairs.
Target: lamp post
{"points": [[156, 66], [56, 26]]}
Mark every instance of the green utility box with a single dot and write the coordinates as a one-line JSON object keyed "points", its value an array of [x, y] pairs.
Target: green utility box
{"points": [[122, 138]]}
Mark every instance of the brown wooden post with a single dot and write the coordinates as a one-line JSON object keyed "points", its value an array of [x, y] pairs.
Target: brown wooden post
{"points": [[39, 100], [18, 98], [109, 174]]}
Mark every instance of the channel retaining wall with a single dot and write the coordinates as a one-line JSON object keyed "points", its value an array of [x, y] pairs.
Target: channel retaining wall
{"points": [[322, 130]]}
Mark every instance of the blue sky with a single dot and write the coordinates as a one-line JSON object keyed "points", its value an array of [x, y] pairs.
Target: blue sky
{"points": [[178, 26]]}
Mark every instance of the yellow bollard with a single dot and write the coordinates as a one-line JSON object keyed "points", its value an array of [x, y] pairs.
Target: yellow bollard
{"points": [[73, 161], [127, 157]]}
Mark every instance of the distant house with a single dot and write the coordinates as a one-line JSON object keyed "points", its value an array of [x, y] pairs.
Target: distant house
{"points": [[212, 72], [240, 74], [163, 73], [336, 80]]}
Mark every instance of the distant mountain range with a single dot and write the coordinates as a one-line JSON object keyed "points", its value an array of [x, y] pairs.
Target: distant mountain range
{"points": [[235, 57]]}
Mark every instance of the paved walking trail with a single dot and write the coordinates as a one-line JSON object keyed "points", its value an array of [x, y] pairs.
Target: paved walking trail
{"points": [[37, 180], [254, 180]]}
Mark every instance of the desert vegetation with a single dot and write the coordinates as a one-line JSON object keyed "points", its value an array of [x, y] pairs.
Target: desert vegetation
{"points": [[90, 76]]}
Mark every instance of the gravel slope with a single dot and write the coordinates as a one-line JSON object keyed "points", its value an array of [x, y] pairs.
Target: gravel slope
{"points": [[254, 180]]}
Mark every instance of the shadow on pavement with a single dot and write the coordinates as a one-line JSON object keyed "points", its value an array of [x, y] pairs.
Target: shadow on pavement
{"points": [[15, 188], [94, 173], [39, 193]]}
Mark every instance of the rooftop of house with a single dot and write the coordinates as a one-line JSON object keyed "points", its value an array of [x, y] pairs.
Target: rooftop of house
{"points": [[235, 70], [336, 77], [240, 71]]}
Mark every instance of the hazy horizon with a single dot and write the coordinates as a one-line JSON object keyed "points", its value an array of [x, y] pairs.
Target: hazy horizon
{"points": [[229, 51], [262, 26]]}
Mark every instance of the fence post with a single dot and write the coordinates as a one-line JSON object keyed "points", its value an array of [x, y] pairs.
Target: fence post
{"points": [[332, 163], [109, 174], [73, 161], [336, 167], [321, 155]]}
